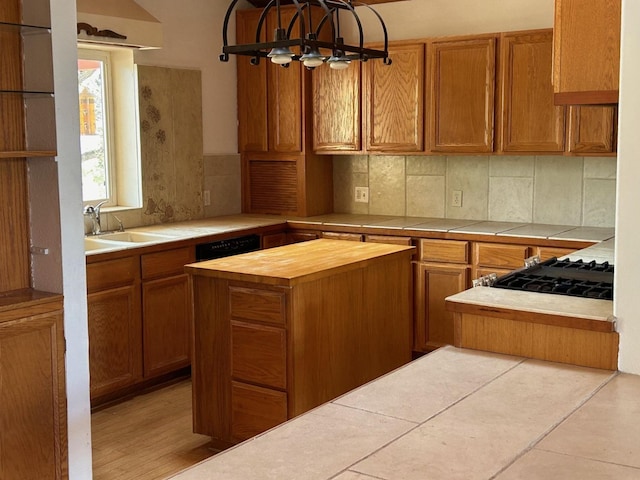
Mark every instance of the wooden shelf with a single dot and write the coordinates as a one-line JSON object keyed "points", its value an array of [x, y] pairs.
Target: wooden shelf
{"points": [[14, 304], [28, 154]]}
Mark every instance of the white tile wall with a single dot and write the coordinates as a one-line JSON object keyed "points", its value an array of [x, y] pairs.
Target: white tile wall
{"points": [[539, 189]]}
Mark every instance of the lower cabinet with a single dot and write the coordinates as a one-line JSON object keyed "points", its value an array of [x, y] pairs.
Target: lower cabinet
{"points": [[139, 310], [32, 391], [115, 324], [442, 270], [166, 311]]}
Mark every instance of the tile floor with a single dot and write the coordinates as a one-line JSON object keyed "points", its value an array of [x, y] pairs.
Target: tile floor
{"points": [[455, 414]]}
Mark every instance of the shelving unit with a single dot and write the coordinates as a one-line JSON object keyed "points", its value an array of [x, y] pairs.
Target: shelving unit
{"points": [[32, 343]]}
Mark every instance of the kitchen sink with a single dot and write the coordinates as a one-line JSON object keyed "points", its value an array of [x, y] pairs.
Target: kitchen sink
{"points": [[91, 244], [132, 237]]}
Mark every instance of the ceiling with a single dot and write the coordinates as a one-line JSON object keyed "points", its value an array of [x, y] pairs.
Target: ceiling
{"points": [[263, 3]]}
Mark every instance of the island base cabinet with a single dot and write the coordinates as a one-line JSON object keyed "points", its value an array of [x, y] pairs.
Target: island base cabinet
{"points": [[255, 409], [32, 398], [267, 352]]}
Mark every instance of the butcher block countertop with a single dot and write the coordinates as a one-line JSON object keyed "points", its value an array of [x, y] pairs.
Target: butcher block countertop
{"points": [[295, 263]]}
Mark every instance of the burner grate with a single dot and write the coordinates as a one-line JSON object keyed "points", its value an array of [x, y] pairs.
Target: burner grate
{"points": [[563, 277]]}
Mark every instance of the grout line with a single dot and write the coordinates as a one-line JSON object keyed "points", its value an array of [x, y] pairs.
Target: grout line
{"points": [[556, 425]]}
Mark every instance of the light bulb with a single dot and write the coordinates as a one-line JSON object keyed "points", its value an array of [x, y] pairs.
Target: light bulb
{"points": [[312, 58], [339, 63], [280, 56]]}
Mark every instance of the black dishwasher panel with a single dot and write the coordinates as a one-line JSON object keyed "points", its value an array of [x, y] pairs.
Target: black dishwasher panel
{"points": [[228, 247]]}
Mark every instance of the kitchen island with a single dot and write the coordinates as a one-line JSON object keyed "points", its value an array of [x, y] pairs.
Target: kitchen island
{"points": [[455, 414], [280, 331]]}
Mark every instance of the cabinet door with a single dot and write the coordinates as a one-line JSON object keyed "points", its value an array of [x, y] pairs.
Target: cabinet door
{"points": [[284, 98], [433, 323], [336, 109], [530, 122], [166, 313], [32, 395], [255, 409], [461, 113], [274, 240], [271, 184], [592, 129], [586, 61], [252, 88], [394, 100], [115, 339]]}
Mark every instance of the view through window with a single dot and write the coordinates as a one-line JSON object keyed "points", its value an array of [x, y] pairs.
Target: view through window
{"points": [[93, 92]]}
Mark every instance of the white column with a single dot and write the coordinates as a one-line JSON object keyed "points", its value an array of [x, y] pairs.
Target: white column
{"points": [[627, 296], [63, 21]]}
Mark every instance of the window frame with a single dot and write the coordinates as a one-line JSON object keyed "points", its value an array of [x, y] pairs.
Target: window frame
{"points": [[111, 165], [126, 165]]}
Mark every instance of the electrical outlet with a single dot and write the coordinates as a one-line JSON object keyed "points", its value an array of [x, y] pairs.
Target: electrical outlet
{"points": [[362, 194], [206, 196], [456, 198]]}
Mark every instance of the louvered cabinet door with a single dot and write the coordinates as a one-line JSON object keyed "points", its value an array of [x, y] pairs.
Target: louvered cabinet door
{"points": [[271, 185]]}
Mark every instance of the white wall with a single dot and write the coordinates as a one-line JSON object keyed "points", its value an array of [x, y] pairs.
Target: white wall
{"points": [[192, 31], [434, 18], [63, 16], [627, 225]]}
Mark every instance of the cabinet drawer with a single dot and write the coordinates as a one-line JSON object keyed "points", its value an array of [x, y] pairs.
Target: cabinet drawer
{"points": [[258, 354], [170, 262], [501, 256], [545, 253], [449, 251], [388, 239], [112, 273], [255, 409], [260, 305], [353, 237]]}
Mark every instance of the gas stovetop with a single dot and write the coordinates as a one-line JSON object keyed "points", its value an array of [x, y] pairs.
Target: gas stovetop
{"points": [[563, 277]]}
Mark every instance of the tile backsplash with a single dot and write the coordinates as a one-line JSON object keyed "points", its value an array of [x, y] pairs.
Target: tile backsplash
{"points": [[538, 189]]}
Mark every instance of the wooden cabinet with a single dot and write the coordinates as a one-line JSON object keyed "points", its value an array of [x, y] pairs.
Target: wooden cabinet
{"points": [[352, 237], [461, 94], [115, 324], [284, 184], [497, 258], [592, 129], [442, 270], [274, 240], [252, 89], [337, 114], [586, 62], [294, 327], [528, 119], [390, 239], [394, 99], [279, 174], [32, 391], [545, 253], [33, 422], [139, 319], [166, 311]]}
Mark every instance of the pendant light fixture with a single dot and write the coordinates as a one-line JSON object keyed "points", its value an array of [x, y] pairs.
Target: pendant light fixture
{"points": [[311, 39]]}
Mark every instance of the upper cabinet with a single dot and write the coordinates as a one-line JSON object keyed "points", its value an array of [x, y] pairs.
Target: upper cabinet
{"points": [[528, 119], [252, 89], [592, 129], [586, 63], [337, 113], [394, 98], [280, 174], [461, 94]]}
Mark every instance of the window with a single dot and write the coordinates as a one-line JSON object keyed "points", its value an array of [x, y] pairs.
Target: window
{"points": [[109, 132], [96, 131]]}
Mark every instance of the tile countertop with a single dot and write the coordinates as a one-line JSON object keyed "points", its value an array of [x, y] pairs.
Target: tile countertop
{"points": [[454, 414], [239, 222]]}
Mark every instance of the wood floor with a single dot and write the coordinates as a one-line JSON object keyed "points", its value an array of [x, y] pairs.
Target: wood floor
{"points": [[148, 437]]}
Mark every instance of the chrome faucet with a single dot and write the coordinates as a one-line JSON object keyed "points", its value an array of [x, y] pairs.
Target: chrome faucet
{"points": [[93, 212]]}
